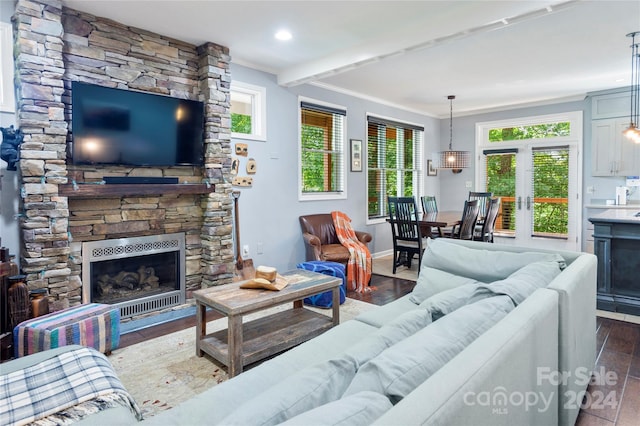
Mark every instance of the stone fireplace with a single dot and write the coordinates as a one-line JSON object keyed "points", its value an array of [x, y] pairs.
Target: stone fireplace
{"points": [[65, 205], [138, 275]]}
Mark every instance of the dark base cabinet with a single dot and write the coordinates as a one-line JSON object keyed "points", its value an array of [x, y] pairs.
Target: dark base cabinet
{"points": [[617, 246]]}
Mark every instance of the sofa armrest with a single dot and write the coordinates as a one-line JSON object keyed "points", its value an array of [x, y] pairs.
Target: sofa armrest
{"points": [[483, 383], [312, 245], [364, 237], [576, 288]]}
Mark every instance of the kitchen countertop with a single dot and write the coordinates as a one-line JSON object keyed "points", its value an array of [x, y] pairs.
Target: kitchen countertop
{"points": [[620, 215], [631, 204]]}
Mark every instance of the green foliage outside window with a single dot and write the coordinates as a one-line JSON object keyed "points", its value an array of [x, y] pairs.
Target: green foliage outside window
{"points": [[393, 173], [550, 189], [320, 167], [241, 123], [538, 131]]}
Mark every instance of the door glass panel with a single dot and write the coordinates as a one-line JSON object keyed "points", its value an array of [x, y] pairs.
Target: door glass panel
{"points": [[501, 181], [550, 189]]}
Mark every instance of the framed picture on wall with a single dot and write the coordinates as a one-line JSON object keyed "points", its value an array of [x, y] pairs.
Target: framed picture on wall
{"points": [[431, 171], [356, 155]]}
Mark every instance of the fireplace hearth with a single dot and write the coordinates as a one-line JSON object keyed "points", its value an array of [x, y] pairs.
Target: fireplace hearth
{"points": [[138, 275]]}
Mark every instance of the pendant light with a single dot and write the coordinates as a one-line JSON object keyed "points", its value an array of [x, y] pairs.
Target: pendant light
{"points": [[633, 132], [453, 160]]}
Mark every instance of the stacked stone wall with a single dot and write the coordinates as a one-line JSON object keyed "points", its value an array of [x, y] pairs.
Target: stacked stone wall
{"points": [[57, 45]]}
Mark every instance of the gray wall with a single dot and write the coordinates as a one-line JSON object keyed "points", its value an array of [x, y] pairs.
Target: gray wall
{"points": [[269, 210]]}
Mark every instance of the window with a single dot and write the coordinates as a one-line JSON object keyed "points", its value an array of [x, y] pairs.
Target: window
{"points": [[533, 165], [394, 163], [322, 151], [535, 131], [248, 111], [7, 103]]}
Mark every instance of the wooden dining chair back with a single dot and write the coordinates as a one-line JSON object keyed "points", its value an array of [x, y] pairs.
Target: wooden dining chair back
{"points": [[465, 230], [405, 229], [483, 200], [488, 227], [429, 204]]}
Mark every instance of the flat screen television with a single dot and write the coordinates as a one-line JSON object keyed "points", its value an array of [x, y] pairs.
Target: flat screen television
{"points": [[124, 127]]}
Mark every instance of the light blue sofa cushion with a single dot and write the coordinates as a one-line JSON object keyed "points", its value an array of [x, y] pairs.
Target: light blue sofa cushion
{"points": [[518, 286], [307, 389], [433, 281], [401, 368], [362, 408], [381, 315], [445, 302], [403, 326], [480, 264], [522, 283]]}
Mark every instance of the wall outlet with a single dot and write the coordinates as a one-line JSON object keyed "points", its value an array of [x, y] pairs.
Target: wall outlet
{"points": [[591, 189], [245, 250], [259, 248], [469, 184]]}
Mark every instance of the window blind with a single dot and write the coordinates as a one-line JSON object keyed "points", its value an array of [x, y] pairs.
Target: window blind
{"points": [[394, 163], [322, 148]]}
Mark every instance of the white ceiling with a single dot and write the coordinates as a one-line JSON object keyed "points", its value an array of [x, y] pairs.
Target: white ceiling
{"points": [[491, 54]]}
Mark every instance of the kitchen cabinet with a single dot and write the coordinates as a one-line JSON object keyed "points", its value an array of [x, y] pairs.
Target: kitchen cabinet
{"points": [[617, 244], [612, 154], [612, 105]]}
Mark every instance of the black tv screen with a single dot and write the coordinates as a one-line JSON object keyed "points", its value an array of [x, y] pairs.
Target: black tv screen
{"points": [[123, 127]]}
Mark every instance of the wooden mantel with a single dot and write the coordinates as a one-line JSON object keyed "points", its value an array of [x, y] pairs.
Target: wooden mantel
{"points": [[130, 190]]}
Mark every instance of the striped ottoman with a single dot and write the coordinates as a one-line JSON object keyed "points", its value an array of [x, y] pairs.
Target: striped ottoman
{"points": [[96, 325]]}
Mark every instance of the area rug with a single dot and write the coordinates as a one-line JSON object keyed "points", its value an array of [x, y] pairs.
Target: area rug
{"points": [[163, 372], [384, 266]]}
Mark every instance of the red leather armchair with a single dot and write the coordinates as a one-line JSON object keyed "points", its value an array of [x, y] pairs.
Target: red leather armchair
{"points": [[321, 241]]}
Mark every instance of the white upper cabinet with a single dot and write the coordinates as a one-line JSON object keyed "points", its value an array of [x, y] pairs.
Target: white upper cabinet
{"points": [[613, 154]]}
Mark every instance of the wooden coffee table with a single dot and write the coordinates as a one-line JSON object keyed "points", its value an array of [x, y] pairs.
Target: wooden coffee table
{"points": [[241, 344]]}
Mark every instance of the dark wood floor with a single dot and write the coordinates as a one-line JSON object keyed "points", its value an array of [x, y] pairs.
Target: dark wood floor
{"points": [[613, 400]]}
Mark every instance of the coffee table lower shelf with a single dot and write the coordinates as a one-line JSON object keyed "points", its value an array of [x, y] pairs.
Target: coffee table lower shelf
{"points": [[268, 335]]}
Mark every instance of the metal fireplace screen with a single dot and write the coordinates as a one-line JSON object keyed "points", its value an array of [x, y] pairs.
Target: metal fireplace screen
{"points": [[138, 275]]}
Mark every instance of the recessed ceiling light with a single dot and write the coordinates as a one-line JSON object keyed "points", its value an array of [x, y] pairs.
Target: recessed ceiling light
{"points": [[283, 35]]}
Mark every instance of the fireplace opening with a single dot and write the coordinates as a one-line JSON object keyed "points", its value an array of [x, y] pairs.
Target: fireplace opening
{"points": [[120, 280], [139, 275]]}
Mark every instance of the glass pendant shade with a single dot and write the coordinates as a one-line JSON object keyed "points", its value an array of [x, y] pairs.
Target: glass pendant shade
{"points": [[450, 159]]}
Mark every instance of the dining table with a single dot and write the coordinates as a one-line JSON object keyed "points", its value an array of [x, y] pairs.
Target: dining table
{"points": [[440, 219]]}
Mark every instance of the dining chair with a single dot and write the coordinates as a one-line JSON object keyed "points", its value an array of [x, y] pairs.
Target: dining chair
{"points": [[405, 229], [466, 228], [488, 227], [429, 205], [483, 200]]}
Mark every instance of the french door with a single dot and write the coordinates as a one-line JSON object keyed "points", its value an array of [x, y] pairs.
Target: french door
{"points": [[537, 180]]}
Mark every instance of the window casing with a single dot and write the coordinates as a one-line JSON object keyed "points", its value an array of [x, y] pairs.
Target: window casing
{"points": [[394, 163], [322, 151], [7, 98], [248, 111]]}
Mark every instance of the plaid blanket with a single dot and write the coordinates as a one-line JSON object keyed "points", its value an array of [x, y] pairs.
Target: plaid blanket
{"points": [[58, 383], [359, 264]]}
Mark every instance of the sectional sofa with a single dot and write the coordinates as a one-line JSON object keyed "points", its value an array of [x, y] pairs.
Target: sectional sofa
{"points": [[491, 334]]}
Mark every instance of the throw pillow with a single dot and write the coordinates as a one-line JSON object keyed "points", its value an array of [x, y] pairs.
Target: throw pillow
{"points": [[519, 285], [480, 264], [398, 370], [432, 281], [362, 408], [447, 301], [307, 389], [401, 327]]}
